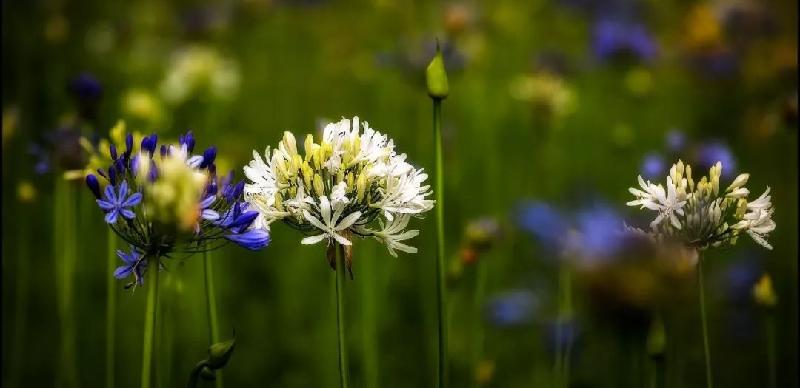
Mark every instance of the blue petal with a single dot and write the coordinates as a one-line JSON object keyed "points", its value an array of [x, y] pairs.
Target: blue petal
{"points": [[133, 200], [111, 217], [127, 214], [129, 258], [204, 204], [253, 239], [123, 272], [209, 214], [244, 220], [123, 191], [111, 196], [105, 205]]}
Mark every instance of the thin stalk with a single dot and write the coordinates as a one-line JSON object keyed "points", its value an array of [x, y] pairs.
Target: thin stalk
{"points": [[771, 351], [369, 288], [211, 304], [657, 375], [64, 243], [563, 348], [441, 296], [111, 306], [21, 302], [340, 279], [477, 325], [702, 296], [149, 326]]}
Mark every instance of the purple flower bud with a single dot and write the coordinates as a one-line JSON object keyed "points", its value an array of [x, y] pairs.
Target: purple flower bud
{"points": [[128, 145], [188, 139], [208, 156], [93, 184], [113, 150], [149, 143], [112, 175], [164, 150]]}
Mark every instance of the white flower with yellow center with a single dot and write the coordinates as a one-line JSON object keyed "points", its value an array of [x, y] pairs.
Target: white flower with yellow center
{"points": [[700, 215], [351, 183]]}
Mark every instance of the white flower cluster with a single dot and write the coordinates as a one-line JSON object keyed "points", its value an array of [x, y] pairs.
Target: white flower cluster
{"points": [[341, 187], [700, 215]]}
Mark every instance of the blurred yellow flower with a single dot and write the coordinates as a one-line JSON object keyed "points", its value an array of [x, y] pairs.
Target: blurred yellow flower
{"points": [[10, 120], [764, 293], [545, 91], [142, 104], [200, 69], [174, 198], [702, 29], [26, 192]]}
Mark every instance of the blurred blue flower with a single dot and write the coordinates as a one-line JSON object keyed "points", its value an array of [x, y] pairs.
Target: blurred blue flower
{"points": [[653, 165], [676, 140], [85, 87], [739, 279], [613, 37], [600, 231], [544, 222], [713, 152], [560, 334], [715, 64], [511, 308], [87, 90]]}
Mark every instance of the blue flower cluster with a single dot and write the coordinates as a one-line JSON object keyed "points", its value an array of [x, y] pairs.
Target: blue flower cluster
{"points": [[222, 213]]}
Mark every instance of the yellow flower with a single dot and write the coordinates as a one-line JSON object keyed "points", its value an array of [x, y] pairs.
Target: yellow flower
{"points": [[174, 198]]}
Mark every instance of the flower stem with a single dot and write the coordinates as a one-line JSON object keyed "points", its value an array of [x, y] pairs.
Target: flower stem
{"points": [[477, 325], [111, 307], [21, 303], [701, 294], [370, 291], [771, 351], [441, 296], [340, 278], [211, 304], [149, 326], [65, 246]]}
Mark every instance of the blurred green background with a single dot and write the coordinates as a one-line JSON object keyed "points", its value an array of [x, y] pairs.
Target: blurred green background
{"points": [[558, 102]]}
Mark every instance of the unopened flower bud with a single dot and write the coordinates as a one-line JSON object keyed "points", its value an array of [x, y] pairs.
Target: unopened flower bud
{"points": [[436, 77]]}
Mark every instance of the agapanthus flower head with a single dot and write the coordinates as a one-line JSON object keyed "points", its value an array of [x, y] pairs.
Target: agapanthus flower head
{"points": [[350, 183], [699, 214], [170, 202]]}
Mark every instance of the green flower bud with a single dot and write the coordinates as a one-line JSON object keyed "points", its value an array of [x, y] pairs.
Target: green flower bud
{"points": [[219, 353], [436, 77]]}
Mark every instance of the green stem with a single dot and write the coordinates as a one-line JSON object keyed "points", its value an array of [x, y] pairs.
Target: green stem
{"points": [[64, 229], [149, 325], [440, 270], [211, 305], [477, 325], [21, 303], [340, 279], [771, 351], [702, 296], [369, 288], [111, 306], [194, 377]]}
